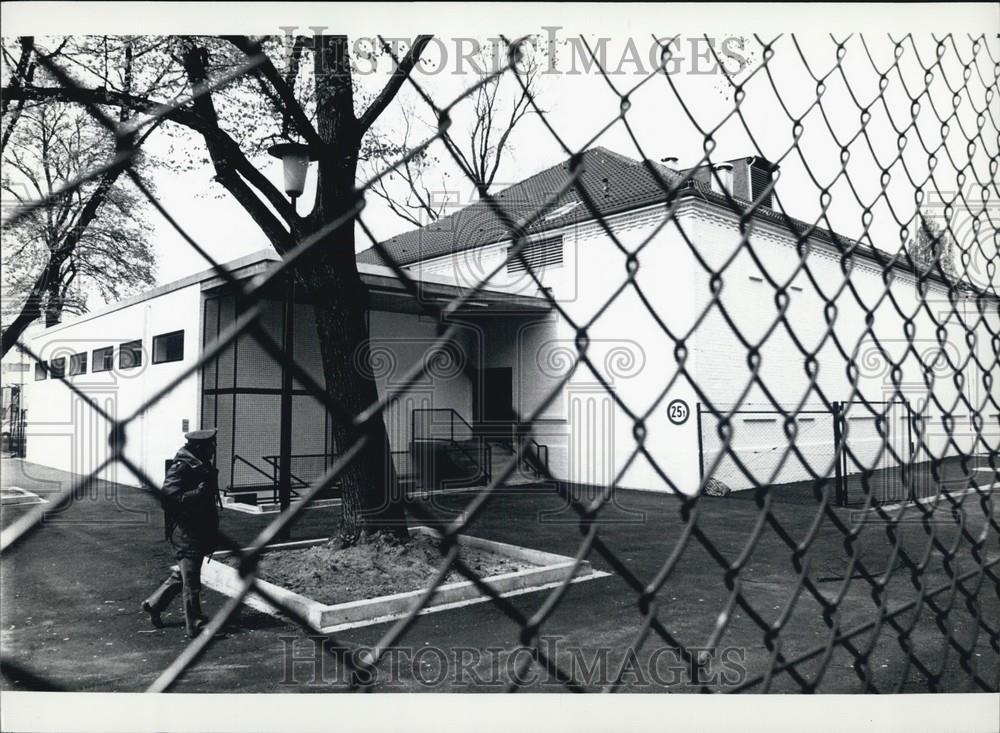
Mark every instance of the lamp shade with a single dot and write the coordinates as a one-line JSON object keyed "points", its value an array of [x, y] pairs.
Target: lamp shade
{"points": [[295, 159]]}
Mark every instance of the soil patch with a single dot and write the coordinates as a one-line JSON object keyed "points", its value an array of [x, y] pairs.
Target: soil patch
{"points": [[374, 567]]}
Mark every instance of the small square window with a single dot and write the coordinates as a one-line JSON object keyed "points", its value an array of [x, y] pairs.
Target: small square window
{"points": [[103, 360], [168, 347], [41, 370], [130, 355], [78, 364], [57, 367]]}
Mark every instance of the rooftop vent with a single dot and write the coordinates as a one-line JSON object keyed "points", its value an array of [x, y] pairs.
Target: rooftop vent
{"points": [[537, 255], [746, 179], [722, 181]]}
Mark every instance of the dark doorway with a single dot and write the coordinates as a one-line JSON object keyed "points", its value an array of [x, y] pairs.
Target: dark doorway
{"points": [[493, 400]]}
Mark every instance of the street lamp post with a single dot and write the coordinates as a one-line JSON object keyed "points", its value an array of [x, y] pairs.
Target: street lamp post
{"points": [[295, 158]]}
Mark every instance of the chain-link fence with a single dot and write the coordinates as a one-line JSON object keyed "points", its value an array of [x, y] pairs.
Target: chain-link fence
{"points": [[888, 467], [801, 310]]}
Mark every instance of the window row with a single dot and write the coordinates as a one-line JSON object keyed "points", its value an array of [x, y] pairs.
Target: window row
{"points": [[167, 347]]}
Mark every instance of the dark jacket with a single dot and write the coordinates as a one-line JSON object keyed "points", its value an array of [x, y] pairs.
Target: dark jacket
{"points": [[190, 500]]}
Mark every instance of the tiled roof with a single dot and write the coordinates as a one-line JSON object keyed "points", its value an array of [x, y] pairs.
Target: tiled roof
{"points": [[614, 182]]}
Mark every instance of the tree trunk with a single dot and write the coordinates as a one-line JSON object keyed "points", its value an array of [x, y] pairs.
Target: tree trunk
{"points": [[54, 303], [372, 500], [328, 277], [32, 307]]}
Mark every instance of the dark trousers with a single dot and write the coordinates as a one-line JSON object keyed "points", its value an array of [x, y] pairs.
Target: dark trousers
{"points": [[186, 578]]}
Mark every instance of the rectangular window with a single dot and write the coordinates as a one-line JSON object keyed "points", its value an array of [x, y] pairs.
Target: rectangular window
{"points": [[57, 367], [103, 359], [130, 355], [168, 347], [78, 364], [41, 370], [538, 255]]}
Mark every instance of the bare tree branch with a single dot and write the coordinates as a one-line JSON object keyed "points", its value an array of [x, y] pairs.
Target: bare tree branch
{"points": [[392, 87], [229, 161], [479, 155], [284, 87], [23, 74]]}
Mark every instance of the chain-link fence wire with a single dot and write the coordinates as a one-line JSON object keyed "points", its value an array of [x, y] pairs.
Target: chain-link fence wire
{"points": [[886, 476], [758, 437], [962, 589]]}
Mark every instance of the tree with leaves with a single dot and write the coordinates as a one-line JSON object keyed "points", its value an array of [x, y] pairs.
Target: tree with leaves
{"points": [[300, 88], [87, 240], [932, 249], [92, 241]]}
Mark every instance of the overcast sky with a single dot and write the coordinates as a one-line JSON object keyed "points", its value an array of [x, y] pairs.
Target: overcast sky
{"points": [[578, 102]]}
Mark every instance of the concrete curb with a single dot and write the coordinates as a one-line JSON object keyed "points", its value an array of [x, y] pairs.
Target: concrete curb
{"points": [[16, 496], [552, 569], [271, 507]]}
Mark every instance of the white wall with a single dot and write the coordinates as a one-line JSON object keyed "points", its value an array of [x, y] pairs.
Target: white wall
{"points": [[591, 433], [65, 433], [633, 366], [401, 340], [626, 435], [749, 300]]}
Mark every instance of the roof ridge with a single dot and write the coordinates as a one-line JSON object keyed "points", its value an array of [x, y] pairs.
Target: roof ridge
{"points": [[478, 201], [499, 194], [616, 155], [611, 176]]}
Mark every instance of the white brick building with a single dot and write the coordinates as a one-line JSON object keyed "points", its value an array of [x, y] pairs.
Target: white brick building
{"points": [[652, 346]]}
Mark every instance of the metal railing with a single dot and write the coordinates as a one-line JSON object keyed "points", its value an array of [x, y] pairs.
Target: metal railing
{"points": [[874, 449], [273, 478], [424, 438], [243, 488], [426, 419]]}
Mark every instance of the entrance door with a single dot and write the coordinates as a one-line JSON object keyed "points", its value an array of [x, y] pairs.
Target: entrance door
{"points": [[492, 406]]}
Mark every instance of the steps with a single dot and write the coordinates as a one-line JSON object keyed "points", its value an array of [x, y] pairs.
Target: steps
{"points": [[522, 475], [445, 464]]}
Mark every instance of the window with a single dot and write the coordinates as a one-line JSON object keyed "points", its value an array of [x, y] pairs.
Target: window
{"points": [[57, 367], [130, 355], [168, 347], [41, 370], [103, 359], [538, 255], [78, 364]]}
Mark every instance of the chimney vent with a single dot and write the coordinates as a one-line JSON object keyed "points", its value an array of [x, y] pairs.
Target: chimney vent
{"points": [[724, 174]]}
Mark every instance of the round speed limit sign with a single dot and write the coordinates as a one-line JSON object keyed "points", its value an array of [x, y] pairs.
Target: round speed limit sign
{"points": [[678, 412]]}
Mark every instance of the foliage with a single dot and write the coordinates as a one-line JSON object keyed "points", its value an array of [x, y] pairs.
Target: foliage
{"points": [[50, 146], [933, 250]]}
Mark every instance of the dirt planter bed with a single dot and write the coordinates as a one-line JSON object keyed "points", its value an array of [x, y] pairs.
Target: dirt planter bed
{"points": [[539, 570]]}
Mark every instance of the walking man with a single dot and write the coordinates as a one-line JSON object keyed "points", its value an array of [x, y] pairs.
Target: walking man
{"points": [[191, 521]]}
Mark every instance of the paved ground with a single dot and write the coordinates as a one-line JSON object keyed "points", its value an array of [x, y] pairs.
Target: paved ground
{"points": [[71, 593]]}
